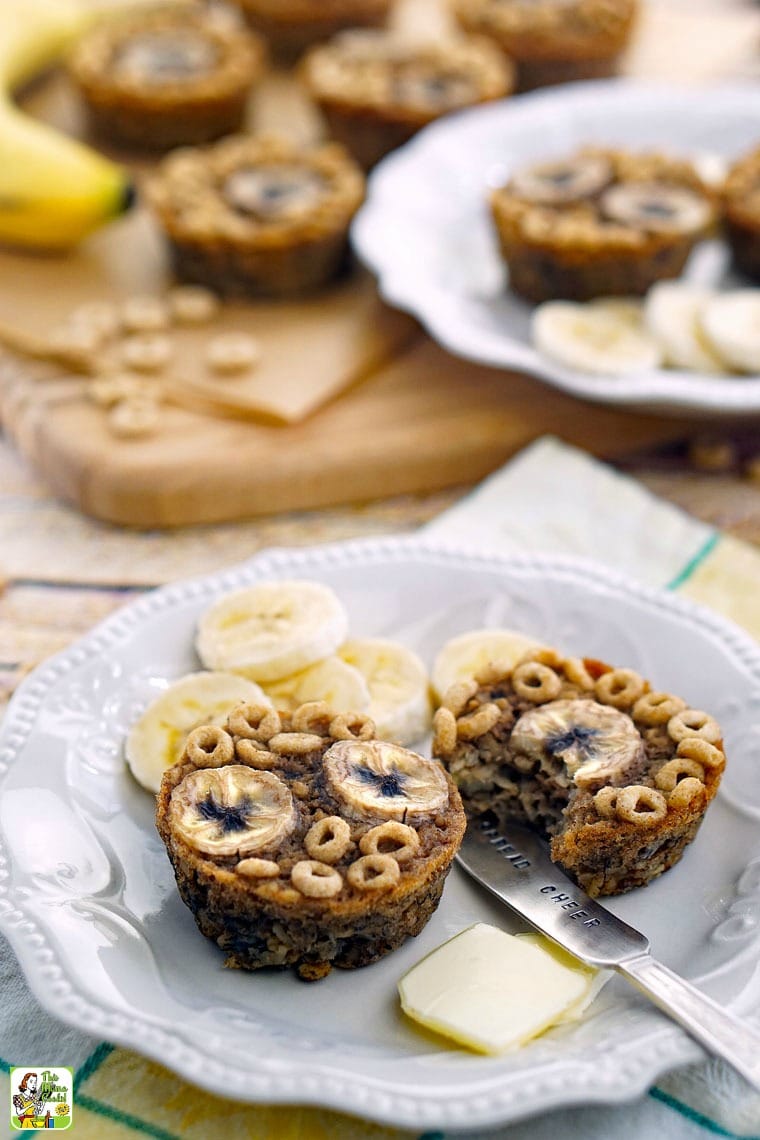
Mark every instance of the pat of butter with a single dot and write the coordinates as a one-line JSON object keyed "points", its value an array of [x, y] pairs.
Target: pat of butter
{"points": [[598, 978], [494, 991]]}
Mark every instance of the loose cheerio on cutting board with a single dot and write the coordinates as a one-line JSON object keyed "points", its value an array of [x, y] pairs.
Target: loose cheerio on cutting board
{"points": [[342, 333], [209, 443]]}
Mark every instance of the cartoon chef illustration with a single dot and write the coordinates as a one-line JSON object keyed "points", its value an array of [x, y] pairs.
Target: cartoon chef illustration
{"points": [[28, 1101]]}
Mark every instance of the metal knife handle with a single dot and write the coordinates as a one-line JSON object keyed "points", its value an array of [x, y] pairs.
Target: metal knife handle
{"points": [[720, 1032]]}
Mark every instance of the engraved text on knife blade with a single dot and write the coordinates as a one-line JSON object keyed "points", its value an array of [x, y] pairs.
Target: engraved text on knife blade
{"points": [[521, 862]]}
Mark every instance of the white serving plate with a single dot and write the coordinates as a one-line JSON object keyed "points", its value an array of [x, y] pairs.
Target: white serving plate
{"points": [[88, 901], [426, 232]]}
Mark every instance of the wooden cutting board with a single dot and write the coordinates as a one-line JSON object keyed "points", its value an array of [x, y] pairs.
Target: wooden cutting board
{"points": [[394, 414], [424, 422]]}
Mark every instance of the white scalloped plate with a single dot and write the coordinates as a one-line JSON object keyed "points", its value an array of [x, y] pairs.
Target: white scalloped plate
{"points": [[425, 230], [88, 901]]}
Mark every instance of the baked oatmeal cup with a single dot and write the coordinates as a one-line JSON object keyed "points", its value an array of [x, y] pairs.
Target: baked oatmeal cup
{"points": [[553, 41], [166, 76], [302, 841], [617, 776], [600, 223], [741, 213], [376, 90], [257, 216], [291, 26]]}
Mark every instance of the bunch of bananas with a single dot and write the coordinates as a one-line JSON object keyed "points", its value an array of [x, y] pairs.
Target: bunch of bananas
{"points": [[54, 191]]}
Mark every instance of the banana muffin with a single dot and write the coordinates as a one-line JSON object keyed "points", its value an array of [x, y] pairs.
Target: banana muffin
{"points": [[741, 213], [553, 41], [376, 90], [617, 776], [300, 840], [166, 76], [600, 223], [290, 26], [257, 215]]}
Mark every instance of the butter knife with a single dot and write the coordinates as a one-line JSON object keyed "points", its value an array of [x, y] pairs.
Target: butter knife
{"points": [[513, 863]]}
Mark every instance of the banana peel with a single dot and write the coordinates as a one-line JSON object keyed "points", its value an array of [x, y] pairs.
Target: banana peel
{"points": [[54, 191]]}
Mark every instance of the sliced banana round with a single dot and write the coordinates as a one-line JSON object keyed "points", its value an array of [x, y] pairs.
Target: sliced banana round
{"points": [[630, 309], [731, 324], [564, 181], [398, 687], [277, 191], [656, 206], [712, 168], [464, 657], [418, 85], [232, 811], [166, 56], [595, 742], [589, 338], [672, 316], [156, 740], [375, 778], [333, 681], [271, 630]]}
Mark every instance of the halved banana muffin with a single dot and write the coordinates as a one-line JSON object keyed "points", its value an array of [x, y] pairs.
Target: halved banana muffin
{"points": [[553, 41], [741, 213], [303, 841], [257, 215], [618, 776], [601, 222], [376, 89], [290, 26], [166, 76]]}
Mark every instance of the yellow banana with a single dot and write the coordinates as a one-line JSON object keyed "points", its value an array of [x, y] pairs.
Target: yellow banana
{"points": [[54, 191]]}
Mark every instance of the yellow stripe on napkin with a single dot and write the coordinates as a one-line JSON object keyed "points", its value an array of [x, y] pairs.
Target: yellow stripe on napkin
{"points": [[727, 580], [128, 1094]]}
